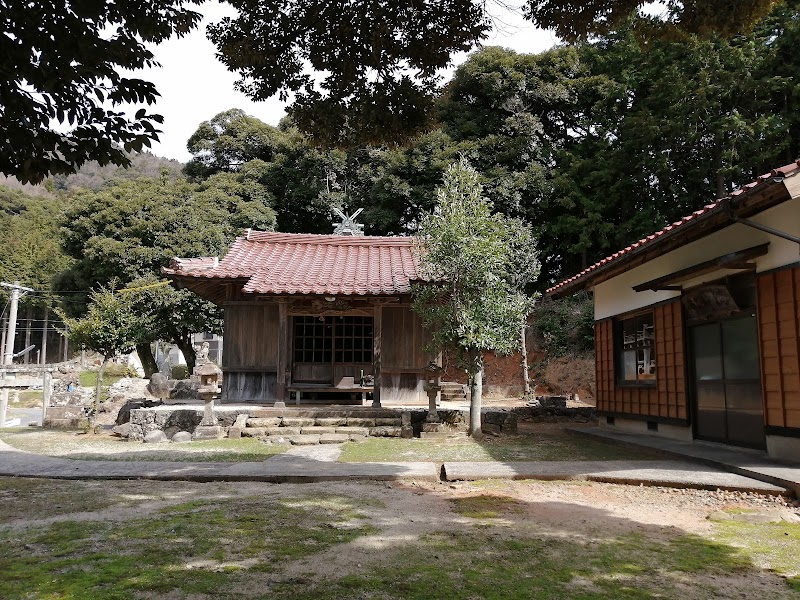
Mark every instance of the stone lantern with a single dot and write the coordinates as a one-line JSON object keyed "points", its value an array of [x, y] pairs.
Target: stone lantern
{"points": [[433, 385], [210, 378]]}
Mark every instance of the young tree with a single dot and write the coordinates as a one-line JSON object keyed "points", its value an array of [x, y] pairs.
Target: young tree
{"points": [[112, 325], [476, 265]]}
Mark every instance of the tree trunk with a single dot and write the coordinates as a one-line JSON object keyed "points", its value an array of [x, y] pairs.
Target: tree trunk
{"points": [[147, 359], [185, 346], [476, 392], [525, 374], [98, 389]]}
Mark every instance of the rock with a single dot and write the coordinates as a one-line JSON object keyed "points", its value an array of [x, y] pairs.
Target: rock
{"points": [[121, 430], [234, 433], [124, 414], [182, 436], [183, 389], [333, 438], [491, 429], [159, 386], [405, 419], [208, 432], [156, 437], [407, 432]]}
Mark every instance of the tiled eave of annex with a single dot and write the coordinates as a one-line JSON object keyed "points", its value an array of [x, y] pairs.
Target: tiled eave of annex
{"points": [[764, 193]]}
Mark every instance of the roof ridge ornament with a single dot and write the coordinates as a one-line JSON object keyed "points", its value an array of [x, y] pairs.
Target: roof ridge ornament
{"points": [[348, 226]]}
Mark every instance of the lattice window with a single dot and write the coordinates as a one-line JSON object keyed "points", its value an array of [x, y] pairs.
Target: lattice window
{"points": [[342, 339], [635, 344], [313, 340], [352, 339]]}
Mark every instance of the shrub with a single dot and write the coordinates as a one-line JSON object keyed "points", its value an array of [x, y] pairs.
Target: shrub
{"points": [[180, 372]]}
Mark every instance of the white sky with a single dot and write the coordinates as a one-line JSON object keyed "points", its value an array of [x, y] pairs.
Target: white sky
{"points": [[195, 86]]}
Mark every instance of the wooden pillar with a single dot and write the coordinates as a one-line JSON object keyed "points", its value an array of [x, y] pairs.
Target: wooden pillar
{"points": [[283, 350], [47, 389], [43, 354], [66, 348], [377, 330]]}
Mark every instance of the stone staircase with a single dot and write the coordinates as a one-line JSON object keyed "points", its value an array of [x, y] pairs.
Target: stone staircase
{"points": [[453, 392], [320, 425]]}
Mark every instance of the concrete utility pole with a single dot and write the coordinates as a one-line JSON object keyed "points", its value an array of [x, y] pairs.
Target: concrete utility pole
{"points": [[8, 351]]}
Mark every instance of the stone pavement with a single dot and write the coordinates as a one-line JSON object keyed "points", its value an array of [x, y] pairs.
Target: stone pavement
{"points": [[317, 463], [748, 463]]}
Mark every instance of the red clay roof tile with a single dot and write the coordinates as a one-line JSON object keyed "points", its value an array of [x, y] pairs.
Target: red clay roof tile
{"points": [[288, 263]]}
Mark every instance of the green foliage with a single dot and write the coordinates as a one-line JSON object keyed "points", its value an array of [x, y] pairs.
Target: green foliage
{"points": [[475, 264], [30, 251], [377, 62], [65, 65], [180, 372], [564, 326], [112, 325], [578, 19]]}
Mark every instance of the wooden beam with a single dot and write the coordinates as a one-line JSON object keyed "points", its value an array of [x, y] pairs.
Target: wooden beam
{"points": [[739, 260], [283, 351], [377, 331]]}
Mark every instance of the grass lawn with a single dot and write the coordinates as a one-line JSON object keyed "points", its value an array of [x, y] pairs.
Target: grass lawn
{"points": [[80, 446], [176, 540], [550, 444]]}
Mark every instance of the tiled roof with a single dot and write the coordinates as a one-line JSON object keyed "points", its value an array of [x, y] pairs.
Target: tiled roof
{"points": [[287, 263], [684, 223]]}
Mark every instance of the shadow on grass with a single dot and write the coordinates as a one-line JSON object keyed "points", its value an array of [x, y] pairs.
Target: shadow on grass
{"points": [[272, 544]]}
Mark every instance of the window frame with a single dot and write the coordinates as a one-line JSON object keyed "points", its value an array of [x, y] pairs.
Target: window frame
{"points": [[639, 323]]}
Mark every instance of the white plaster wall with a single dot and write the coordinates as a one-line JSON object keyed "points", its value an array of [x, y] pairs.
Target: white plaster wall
{"points": [[616, 296]]}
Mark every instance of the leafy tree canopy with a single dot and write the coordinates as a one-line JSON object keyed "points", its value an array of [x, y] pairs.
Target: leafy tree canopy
{"points": [[574, 20], [374, 63], [62, 67]]}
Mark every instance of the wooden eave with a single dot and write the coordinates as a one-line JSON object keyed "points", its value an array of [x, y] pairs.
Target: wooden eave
{"points": [[771, 193], [737, 261], [214, 289]]}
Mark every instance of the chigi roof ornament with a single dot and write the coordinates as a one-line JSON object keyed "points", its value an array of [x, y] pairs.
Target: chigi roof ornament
{"points": [[348, 226]]}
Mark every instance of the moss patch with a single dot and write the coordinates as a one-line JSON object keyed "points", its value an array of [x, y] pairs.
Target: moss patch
{"points": [[540, 447], [199, 547], [775, 546], [485, 506]]}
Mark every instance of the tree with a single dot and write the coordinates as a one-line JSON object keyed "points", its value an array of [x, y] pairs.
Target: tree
{"points": [[375, 62], [475, 264], [573, 20], [64, 63], [127, 232], [112, 325]]}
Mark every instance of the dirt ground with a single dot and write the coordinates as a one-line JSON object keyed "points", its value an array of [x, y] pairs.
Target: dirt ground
{"points": [[579, 513]]}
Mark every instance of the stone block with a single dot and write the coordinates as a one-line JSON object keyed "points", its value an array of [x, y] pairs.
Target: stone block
{"points": [[333, 438], [407, 432], [393, 422], [363, 431], [264, 422], [208, 432], [235, 433], [251, 431], [436, 435], [63, 423], [360, 422], [317, 430], [405, 419], [357, 437], [297, 422], [491, 429], [385, 431], [303, 440], [241, 420], [433, 427], [331, 421], [281, 431]]}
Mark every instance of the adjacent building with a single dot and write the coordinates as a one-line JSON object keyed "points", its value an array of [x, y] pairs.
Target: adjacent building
{"points": [[697, 327]]}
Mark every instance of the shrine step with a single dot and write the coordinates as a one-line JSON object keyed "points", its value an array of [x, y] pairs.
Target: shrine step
{"points": [[324, 435], [453, 391]]}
